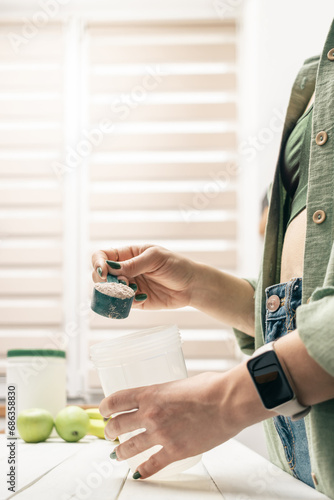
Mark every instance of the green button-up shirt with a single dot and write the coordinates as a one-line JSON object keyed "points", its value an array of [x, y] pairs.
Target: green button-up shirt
{"points": [[315, 317]]}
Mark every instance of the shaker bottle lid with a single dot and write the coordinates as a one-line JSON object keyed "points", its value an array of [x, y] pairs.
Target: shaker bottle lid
{"points": [[36, 352]]}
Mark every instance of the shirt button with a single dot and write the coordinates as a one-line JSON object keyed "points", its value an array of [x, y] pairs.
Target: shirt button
{"points": [[273, 303], [314, 479], [321, 138], [319, 216], [330, 55]]}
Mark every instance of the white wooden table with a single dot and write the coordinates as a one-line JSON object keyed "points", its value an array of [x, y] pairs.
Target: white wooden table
{"points": [[55, 470]]}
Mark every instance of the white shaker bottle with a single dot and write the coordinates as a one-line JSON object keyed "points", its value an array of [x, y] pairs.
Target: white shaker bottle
{"points": [[138, 359]]}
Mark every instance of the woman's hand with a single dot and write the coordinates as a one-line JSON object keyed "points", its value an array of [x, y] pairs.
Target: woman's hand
{"points": [[186, 417], [165, 277], [166, 280], [181, 416]]}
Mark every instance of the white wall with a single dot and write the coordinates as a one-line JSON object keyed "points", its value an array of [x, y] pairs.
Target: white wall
{"points": [[289, 32]]}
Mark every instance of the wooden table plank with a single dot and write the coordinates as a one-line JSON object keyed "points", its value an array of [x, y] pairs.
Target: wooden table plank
{"points": [[242, 474], [33, 460], [56, 470], [193, 484], [89, 473]]}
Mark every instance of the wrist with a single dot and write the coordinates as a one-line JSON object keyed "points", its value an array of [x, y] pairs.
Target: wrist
{"points": [[221, 295], [201, 284], [242, 400]]}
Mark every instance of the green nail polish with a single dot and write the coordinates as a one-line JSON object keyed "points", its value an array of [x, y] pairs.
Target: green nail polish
{"points": [[136, 475], [133, 286], [113, 455], [122, 281], [113, 265], [99, 271], [140, 297]]}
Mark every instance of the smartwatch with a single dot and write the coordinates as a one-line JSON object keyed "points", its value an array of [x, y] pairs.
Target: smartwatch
{"points": [[274, 384]]}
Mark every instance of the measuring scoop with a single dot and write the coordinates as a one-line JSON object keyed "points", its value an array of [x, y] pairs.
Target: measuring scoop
{"points": [[110, 306]]}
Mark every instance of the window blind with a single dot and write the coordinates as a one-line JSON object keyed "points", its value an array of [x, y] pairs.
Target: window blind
{"points": [[113, 133], [164, 171], [31, 218]]}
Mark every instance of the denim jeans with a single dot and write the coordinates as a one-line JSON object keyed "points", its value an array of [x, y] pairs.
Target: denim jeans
{"points": [[278, 323]]}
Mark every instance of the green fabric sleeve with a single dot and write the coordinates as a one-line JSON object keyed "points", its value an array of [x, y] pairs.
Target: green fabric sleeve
{"points": [[315, 324], [246, 342]]}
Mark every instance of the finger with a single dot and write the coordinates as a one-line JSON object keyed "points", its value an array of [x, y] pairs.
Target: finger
{"points": [[126, 400], [131, 447], [99, 260], [155, 463], [145, 262], [140, 297], [121, 424], [123, 279], [97, 278]]}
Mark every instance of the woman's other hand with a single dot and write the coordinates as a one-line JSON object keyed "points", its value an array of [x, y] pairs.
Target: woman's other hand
{"points": [[186, 417]]}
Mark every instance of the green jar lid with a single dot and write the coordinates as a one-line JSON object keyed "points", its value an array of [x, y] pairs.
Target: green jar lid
{"points": [[36, 352]]}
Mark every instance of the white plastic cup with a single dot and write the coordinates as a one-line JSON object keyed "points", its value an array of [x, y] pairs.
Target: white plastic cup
{"points": [[39, 377], [138, 359]]}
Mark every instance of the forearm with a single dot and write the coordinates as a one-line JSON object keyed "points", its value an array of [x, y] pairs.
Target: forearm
{"points": [[225, 297], [312, 383]]}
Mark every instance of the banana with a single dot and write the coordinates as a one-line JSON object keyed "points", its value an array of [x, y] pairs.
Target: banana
{"points": [[96, 427], [94, 413], [97, 423]]}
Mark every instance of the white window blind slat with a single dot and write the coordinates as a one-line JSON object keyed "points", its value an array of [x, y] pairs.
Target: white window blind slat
{"points": [[27, 164], [32, 136], [175, 53], [165, 112], [102, 82], [184, 318], [23, 107], [30, 312], [209, 173], [167, 201], [18, 77], [47, 46], [30, 282], [40, 252], [129, 142]]}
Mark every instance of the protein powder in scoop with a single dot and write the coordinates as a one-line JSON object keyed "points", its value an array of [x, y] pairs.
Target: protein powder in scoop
{"points": [[117, 290]]}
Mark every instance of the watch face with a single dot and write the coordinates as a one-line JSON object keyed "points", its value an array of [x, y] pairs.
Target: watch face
{"points": [[270, 380]]}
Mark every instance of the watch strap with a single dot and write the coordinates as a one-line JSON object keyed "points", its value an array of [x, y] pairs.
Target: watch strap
{"points": [[292, 408]]}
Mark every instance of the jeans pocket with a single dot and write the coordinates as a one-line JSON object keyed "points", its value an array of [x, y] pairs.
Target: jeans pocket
{"points": [[287, 438], [275, 328]]}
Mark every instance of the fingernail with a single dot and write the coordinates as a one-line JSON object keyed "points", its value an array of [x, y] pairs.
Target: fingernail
{"points": [[113, 455], [122, 281], [140, 297], [99, 271], [133, 286], [136, 475], [113, 265]]}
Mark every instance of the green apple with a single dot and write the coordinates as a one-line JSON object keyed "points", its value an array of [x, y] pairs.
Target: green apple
{"points": [[34, 425], [72, 423]]}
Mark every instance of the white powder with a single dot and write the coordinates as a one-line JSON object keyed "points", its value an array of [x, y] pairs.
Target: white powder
{"points": [[117, 290]]}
